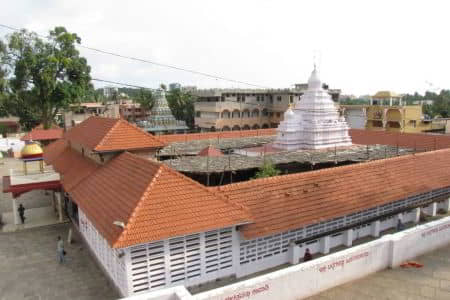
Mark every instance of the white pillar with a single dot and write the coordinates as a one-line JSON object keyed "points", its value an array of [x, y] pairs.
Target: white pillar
{"points": [[390, 101], [348, 237], [15, 212], [294, 253], [324, 244], [417, 216], [447, 205], [432, 209], [59, 205], [375, 229]]}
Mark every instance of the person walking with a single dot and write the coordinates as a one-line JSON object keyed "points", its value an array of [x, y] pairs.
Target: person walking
{"points": [[21, 210], [60, 250]]}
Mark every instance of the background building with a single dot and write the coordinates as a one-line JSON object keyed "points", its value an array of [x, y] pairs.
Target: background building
{"points": [[108, 91], [243, 109]]}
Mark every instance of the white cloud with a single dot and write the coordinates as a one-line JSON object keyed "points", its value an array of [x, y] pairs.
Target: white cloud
{"points": [[364, 46]]}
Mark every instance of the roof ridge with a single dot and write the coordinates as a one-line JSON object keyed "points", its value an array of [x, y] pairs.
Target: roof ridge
{"points": [[136, 209], [216, 194], [103, 140]]}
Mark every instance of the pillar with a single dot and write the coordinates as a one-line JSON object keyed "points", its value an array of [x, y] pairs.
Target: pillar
{"points": [[447, 205], [417, 216], [15, 212], [375, 229], [58, 202], [390, 101], [348, 237], [294, 253], [432, 209], [324, 244]]}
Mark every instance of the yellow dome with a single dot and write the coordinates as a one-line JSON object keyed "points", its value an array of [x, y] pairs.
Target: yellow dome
{"points": [[31, 150]]}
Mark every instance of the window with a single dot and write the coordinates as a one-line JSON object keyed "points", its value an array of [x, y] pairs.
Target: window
{"points": [[197, 114], [278, 98], [291, 99], [278, 114], [257, 98]]}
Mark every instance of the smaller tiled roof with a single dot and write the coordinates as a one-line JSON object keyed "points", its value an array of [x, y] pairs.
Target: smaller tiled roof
{"points": [[154, 202], [210, 151], [38, 134], [109, 135]]}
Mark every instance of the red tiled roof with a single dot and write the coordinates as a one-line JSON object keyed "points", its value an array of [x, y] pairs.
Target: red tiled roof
{"points": [[154, 201], [38, 134], [106, 134], [73, 168], [287, 202], [54, 150], [419, 141], [210, 151], [171, 138]]}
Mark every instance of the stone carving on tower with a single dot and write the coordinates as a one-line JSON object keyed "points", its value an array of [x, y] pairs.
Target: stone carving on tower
{"points": [[314, 122], [161, 119]]}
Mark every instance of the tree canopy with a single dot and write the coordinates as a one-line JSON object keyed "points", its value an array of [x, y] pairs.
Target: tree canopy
{"points": [[440, 106], [45, 75], [182, 106]]}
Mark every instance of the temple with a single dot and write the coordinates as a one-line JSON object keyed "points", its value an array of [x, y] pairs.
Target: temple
{"points": [[314, 123], [161, 119]]}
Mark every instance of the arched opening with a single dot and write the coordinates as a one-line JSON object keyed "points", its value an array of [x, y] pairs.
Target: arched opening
{"points": [[245, 113], [226, 128], [394, 115], [236, 114], [256, 126], [265, 112], [265, 126], [213, 129], [236, 127], [246, 127], [255, 113], [226, 114]]}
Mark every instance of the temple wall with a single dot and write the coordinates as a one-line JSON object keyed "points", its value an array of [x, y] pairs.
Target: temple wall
{"points": [[187, 260], [112, 260]]}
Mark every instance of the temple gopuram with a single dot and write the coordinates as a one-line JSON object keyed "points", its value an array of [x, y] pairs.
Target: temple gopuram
{"points": [[161, 120]]}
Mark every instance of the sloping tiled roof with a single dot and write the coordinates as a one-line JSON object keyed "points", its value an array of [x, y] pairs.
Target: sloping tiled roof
{"points": [[287, 202], [73, 168], [419, 141], [106, 134], [54, 150], [210, 151], [154, 201], [43, 134]]}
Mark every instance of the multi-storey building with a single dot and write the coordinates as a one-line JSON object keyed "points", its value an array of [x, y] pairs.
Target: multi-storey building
{"points": [[243, 109]]}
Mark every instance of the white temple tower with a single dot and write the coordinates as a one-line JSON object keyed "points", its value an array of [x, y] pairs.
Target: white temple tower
{"points": [[314, 123]]}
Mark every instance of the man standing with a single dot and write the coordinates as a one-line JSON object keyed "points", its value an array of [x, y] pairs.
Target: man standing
{"points": [[307, 255], [21, 210], [60, 250]]}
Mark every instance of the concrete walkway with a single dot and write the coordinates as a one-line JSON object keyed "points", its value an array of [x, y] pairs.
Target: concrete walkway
{"points": [[29, 268], [430, 282]]}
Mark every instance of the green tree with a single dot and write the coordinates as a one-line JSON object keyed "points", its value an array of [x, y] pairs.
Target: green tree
{"points": [[4, 94], [146, 100], [182, 106], [47, 76], [267, 170]]}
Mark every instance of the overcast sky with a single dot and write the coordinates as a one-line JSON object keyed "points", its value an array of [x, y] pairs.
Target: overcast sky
{"points": [[361, 46]]}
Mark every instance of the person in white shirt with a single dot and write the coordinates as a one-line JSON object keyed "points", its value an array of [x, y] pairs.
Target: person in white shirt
{"points": [[60, 250]]}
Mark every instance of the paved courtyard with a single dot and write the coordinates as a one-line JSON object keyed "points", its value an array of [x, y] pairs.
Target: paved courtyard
{"points": [[29, 269], [430, 282]]}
